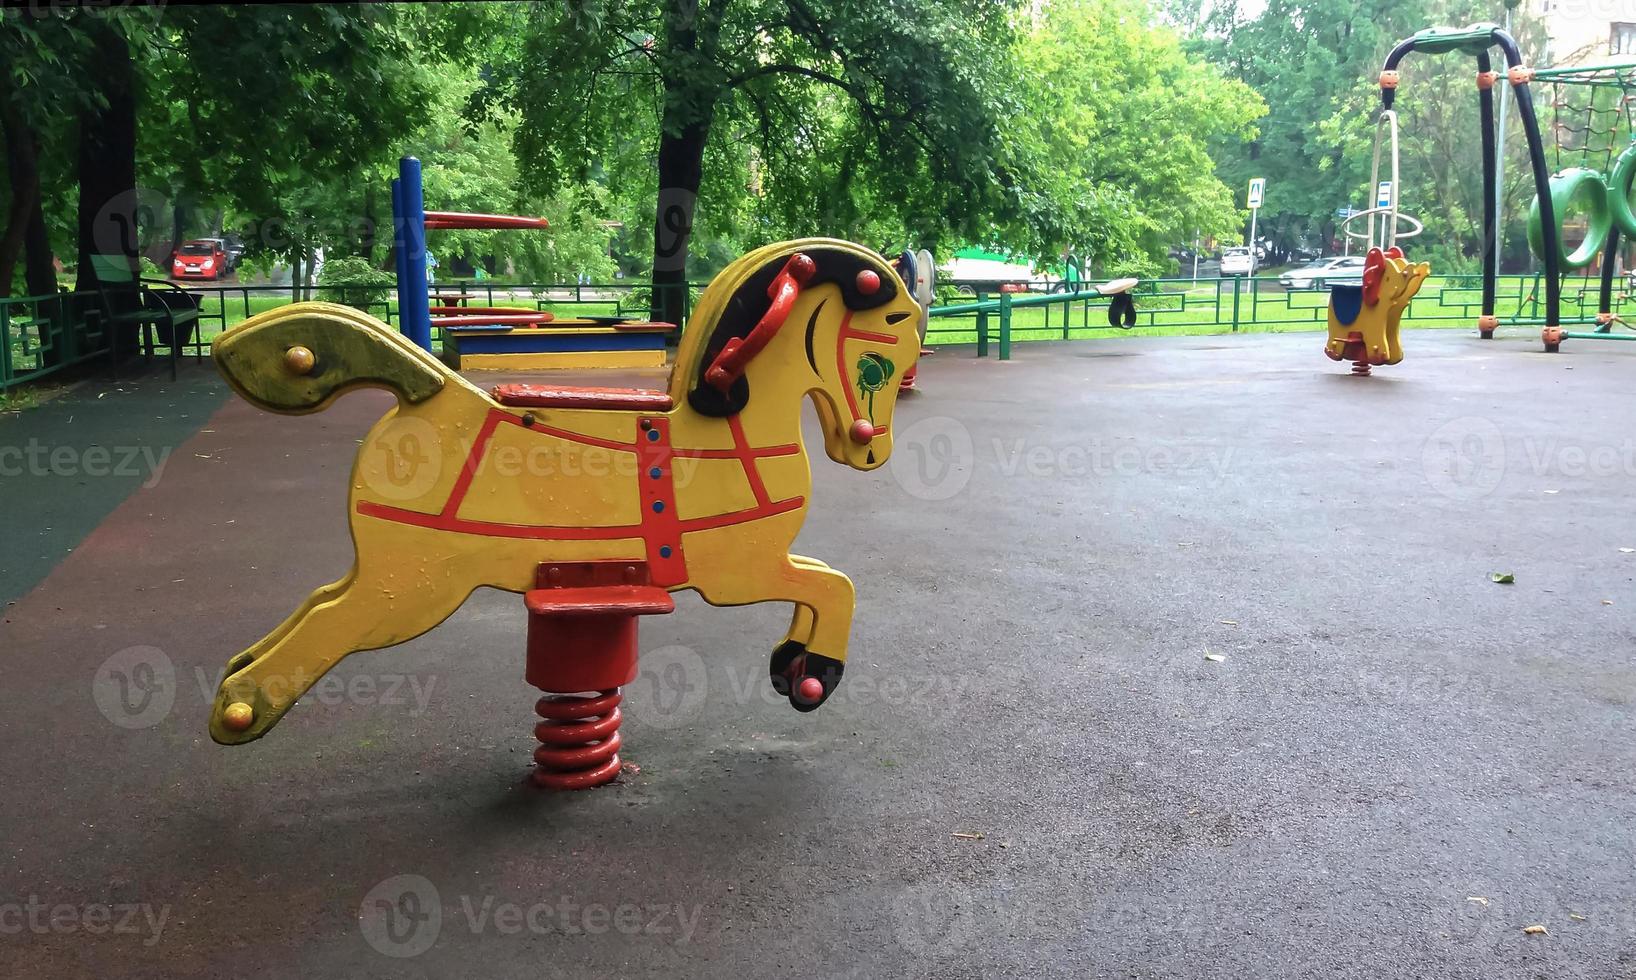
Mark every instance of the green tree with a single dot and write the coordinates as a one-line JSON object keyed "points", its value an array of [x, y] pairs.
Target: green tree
{"points": [[1116, 134], [915, 82]]}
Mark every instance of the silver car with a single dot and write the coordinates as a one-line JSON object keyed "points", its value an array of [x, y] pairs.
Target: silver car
{"points": [[1237, 261], [1345, 270]]}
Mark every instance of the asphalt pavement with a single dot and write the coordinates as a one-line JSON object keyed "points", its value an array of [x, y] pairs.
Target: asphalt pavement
{"points": [[1173, 657]]}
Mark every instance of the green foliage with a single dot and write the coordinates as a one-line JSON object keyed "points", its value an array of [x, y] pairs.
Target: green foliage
{"points": [[1115, 134], [358, 283], [840, 117], [1317, 63]]}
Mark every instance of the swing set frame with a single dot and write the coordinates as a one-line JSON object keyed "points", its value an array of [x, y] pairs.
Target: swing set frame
{"points": [[1477, 40]]}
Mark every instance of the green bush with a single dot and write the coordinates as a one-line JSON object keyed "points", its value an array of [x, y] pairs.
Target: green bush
{"points": [[151, 270], [639, 301], [355, 282]]}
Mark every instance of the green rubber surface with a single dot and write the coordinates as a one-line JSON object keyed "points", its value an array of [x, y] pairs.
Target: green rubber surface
{"points": [[66, 465]]}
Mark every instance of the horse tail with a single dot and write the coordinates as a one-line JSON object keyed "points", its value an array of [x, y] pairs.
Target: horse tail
{"points": [[298, 359]]}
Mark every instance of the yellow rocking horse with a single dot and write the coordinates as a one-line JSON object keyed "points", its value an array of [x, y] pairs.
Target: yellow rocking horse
{"points": [[1365, 320], [702, 487]]}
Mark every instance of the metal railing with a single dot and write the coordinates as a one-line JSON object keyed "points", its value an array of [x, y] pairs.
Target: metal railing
{"points": [[1236, 304], [40, 335], [43, 334]]}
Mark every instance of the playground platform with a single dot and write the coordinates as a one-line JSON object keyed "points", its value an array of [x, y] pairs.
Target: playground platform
{"points": [[1031, 768]]}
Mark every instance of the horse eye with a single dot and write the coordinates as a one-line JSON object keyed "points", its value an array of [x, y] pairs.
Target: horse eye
{"points": [[892, 318]]}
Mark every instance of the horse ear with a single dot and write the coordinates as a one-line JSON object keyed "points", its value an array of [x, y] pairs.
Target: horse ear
{"points": [[1374, 270]]}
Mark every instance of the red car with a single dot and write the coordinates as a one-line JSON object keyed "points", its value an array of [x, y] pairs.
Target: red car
{"points": [[200, 259]]}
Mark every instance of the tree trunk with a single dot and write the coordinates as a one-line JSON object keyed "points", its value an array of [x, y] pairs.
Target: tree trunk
{"points": [[178, 222], [107, 158], [691, 36], [366, 228], [681, 167], [23, 172], [39, 267]]}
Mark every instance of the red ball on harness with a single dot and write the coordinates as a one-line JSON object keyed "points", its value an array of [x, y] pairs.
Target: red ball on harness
{"points": [[868, 282]]}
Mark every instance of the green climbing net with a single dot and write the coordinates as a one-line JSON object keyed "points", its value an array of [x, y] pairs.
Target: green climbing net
{"points": [[1592, 122]]}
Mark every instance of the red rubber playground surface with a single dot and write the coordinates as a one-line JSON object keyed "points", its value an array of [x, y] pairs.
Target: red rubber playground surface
{"points": [[1172, 657]]}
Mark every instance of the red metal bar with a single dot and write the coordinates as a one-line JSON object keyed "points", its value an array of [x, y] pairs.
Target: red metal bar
{"points": [[450, 220]]}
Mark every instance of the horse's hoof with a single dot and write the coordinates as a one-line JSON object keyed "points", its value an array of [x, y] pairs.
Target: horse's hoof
{"points": [[806, 678]]}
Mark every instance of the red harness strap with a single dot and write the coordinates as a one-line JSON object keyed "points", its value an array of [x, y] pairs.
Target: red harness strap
{"points": [[661, 528]]}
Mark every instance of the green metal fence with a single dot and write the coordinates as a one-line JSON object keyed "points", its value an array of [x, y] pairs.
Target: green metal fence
{"points": [[43, 334], [40, 335], [1239, 304]]}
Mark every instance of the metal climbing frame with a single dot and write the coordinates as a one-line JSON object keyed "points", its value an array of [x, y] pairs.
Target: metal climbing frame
{"points": [[1476, 40]]}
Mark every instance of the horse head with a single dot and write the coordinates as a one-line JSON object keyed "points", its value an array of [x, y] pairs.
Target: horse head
{"points": [[819, 317]]}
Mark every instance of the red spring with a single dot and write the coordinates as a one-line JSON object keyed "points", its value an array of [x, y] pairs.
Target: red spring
{"points": [[580, 740], [1360, 368]]}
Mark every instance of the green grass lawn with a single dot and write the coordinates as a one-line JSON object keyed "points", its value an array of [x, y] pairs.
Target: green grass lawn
{"points": [[1180, 308]]}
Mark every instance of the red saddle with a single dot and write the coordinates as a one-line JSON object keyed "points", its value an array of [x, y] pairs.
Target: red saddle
{"points": [[566, 396]]}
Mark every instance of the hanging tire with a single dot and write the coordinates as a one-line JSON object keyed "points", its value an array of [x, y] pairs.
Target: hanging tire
{"points": [[1624, 169], [1587, 187]]}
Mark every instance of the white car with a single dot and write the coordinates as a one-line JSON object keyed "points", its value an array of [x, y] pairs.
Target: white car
{"points": [[1237, 261], [1346, 270]]}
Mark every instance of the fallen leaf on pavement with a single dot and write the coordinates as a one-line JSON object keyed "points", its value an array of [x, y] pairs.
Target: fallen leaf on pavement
{"points": [[1502, 578], [1535, 930]]}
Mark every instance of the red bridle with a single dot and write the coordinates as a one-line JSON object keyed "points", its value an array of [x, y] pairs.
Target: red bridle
{"points": [[729, 365], [737, 353]]}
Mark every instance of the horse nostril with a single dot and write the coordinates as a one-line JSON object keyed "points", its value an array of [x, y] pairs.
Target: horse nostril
{"points": [[896, 317]]}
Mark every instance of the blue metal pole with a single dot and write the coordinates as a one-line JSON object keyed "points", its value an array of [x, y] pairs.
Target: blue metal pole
{"points": [[413, 304], [400, 250]]}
